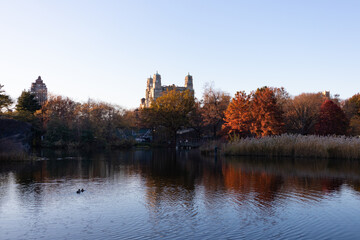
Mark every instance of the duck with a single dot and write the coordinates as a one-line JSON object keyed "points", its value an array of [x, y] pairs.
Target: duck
{"points": [[78, 191], [82, 190]]}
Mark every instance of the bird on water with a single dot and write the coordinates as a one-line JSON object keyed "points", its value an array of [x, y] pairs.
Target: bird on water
{"points": [[80, 191]]}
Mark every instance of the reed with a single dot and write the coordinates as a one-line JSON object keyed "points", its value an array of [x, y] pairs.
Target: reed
{"points": [[298, 146]]}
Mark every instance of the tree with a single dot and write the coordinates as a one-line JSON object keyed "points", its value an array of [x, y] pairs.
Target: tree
{"points": [[59, 118], [59, 107], [5, 100], [354, 126], [352, 106], [103, 118], [257, 114], [238, 115], [92, 122], [332, 120], [267, 115], [215, 102], [196, 119], [301, 113], [27, 102], [131, 119], [171, 111], [352, 111]]}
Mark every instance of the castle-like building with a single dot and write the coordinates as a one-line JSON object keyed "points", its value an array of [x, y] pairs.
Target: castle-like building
{"points": [[38, 88], [154, 89]]}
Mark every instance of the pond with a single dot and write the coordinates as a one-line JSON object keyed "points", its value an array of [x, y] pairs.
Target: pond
{"points": [[167, 194]]}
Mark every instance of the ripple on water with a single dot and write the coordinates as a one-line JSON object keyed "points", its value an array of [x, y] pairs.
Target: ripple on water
{"points": [[135, 199]]}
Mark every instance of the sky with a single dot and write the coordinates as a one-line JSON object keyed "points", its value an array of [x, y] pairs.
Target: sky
{"points": [[105, 50]]}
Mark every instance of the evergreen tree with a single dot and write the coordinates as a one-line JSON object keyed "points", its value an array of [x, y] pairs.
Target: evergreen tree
{"points": [[27, 102], [5, 100]]}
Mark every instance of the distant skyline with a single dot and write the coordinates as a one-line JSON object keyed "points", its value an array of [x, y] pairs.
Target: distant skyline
{"points": [[105, 50]]}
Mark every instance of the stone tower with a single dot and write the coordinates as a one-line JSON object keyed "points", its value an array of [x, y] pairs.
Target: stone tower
{"points": [[189, 82], [149, 86], [157, 89], [38, 88]]}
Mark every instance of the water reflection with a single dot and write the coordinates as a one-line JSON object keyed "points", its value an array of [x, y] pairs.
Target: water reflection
{"points": [[171, 194]]}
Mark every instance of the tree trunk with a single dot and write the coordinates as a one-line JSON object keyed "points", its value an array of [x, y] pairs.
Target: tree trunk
{"points": [[175, 138]]}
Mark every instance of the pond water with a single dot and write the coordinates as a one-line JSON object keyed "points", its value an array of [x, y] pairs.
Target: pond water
{"points": [[164, 194]]}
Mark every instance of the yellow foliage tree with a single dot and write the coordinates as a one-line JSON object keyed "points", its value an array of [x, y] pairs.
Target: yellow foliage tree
{"points": [[171, 111]]}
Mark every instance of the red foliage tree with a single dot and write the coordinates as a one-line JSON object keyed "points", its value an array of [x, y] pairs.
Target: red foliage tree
{"points": [[332, 120]]}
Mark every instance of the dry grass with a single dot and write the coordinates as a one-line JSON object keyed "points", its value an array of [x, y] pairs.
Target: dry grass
{"points": [[209, 147], [297, 146]]}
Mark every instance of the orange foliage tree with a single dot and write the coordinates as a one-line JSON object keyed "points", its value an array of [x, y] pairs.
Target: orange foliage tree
{"points": [[257, 114], [238, 115], [267, 116]]}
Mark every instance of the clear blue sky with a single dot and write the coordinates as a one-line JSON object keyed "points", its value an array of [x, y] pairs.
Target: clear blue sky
{"points": [[105, 50]]}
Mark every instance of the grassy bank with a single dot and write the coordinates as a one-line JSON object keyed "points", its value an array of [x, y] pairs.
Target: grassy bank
{"points": [[12, 151], [287, 145]]}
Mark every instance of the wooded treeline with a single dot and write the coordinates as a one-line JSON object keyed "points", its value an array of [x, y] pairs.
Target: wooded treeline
{"points": [[62, 122], [264, 112]]}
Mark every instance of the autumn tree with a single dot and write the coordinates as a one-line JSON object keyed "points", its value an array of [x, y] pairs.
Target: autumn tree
{"points": [[301, 113], [103, 118], [27, 102], [354, 126], [131, 119], [238, 115], [171, 111], [352, 111], [59, 107], [352, 106], [266, 113], [196, 121], [332, 119], [5, 100], [85, 124], [257, 114], [58, 116], [214, 102]]}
